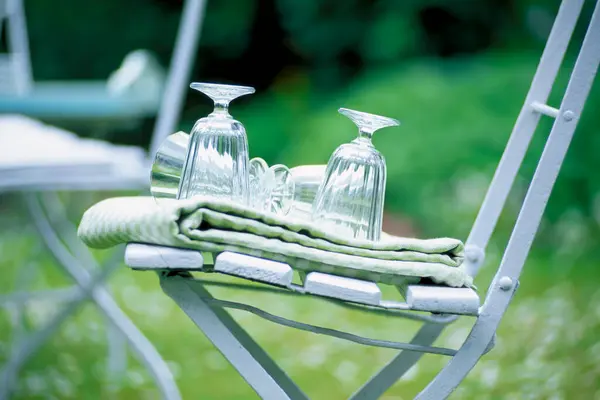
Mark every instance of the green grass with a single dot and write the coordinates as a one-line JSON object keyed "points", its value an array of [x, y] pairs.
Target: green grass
{"points": [[547, 342]]}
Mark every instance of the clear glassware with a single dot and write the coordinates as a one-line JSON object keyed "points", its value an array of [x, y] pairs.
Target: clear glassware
{"points": [[217, 156], [168, 166], [350, 199], [307, 179], [271, 188], [258, 193]]}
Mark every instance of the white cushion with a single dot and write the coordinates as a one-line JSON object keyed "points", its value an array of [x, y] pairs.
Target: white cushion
{"points": [[33, 153]]}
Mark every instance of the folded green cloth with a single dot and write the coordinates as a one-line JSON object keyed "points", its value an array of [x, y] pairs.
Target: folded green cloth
{"points": [[206, 225]]}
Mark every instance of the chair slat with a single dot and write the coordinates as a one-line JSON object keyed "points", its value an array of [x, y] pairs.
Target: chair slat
{"points": [[343, 288], [444, 300], [254, 268], [144, 257], [435, 299]]}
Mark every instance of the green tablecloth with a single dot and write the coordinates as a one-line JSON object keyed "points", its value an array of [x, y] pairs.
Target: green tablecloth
{"points": [[211, 226]]}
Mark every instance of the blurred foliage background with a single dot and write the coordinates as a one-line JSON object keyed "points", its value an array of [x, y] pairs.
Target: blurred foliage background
{"points": [[455, 73]]}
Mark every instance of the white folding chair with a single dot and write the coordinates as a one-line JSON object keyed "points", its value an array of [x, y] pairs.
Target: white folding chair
{"points": [[444, 304], [37, 160]]}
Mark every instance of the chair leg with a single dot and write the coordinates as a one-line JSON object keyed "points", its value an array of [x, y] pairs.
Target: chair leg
{"points": [[24, 277], [57, 216], [31, 344], [142, 347], [117, 356], [17, 312], [395, 369], [56, 212], [476, 344], [246, 356]]}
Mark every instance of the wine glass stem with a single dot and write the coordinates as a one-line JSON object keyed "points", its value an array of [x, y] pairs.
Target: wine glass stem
{"points": [[364, 133], [364, 137], [221, 107]]}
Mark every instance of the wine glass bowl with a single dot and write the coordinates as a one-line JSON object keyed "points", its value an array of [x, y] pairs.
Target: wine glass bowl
{"points": [[351, 196], [217, 156]]}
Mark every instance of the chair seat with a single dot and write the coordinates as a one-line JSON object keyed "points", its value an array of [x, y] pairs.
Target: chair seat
{"points": [[37, 156], [430, 298]]}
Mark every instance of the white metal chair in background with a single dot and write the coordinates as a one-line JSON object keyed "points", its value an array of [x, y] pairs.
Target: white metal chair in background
{"points": [[37, 160], [445, 304], [132, 92]]}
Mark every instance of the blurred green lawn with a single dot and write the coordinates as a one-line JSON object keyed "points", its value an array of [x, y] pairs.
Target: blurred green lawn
{"points": [[461, 112], [547, 344]]}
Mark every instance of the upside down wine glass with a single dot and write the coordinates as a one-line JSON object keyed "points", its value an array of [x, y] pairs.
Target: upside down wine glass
{"points": [[350, 199], [217, 156]]}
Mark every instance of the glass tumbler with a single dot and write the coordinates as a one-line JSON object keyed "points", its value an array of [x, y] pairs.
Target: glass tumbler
{"points": [[168, 166], [217, 156], [350, 199], [307, 179]]}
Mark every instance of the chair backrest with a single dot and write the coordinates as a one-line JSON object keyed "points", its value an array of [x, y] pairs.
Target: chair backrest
{"points": [[179, 72], [566, 118], [15, 65]]}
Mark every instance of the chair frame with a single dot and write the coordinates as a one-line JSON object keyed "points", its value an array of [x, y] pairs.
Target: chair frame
{"points": [[270, 382], [18, 44], [60, 237]]}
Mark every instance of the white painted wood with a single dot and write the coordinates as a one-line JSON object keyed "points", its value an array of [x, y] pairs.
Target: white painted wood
{"points": [[144, 256], [254, 268], [63, 161], [343, 288], [439, 299]]}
